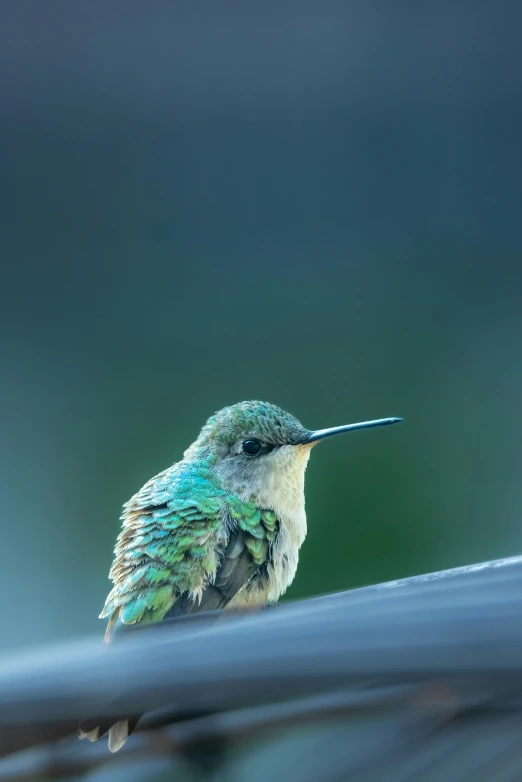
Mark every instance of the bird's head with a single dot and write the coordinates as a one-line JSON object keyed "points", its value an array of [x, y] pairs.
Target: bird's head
{"points": [[260, 452]]}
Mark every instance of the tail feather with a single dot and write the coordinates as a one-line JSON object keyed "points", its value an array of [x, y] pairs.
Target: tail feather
{"points": [[118, 735], [118, 732], [91, 735], [92, 731]]}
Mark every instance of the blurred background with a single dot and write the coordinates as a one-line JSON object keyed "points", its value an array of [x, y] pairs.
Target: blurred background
{"points": [[318, 205]]}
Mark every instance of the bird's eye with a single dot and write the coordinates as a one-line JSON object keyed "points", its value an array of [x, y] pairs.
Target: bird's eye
{"points": [[251, 447]]}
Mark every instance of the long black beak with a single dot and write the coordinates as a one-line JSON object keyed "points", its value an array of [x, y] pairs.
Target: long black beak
{"points": [[321, 434]]}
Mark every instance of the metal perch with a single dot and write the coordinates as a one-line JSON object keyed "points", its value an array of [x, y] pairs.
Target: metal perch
{"points": [[418, 678]]}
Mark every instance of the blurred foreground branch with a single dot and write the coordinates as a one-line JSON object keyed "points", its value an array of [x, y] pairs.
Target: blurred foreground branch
{"points": [[420, 678]]}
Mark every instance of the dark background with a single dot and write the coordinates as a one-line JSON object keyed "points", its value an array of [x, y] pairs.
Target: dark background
{"points": [[314, 204]]}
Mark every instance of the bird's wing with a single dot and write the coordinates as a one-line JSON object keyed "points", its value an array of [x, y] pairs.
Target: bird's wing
{"points": [[185, 546], [242, 565]]}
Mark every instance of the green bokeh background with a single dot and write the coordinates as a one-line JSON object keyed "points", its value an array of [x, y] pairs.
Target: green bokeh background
{"points": [[316, 205]]}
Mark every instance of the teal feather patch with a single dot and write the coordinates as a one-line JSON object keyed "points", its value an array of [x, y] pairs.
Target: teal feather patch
{"points": [[173, 542], [168, 544], [258, 548]]}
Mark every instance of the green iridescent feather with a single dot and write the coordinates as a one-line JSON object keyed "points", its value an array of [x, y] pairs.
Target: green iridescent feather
{"points": [[174, 541], [186, 543]]}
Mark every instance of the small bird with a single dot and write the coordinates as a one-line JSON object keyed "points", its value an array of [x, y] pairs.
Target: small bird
{"points": [[221, 529]]}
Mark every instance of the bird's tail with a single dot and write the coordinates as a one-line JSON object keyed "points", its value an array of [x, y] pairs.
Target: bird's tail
{"points": [[119, 731]]}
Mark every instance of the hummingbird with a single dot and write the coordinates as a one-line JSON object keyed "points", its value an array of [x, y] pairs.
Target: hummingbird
{"points": [[220, 529]]}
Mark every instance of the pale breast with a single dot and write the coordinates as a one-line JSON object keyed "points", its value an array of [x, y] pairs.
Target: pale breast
{"points": [[277, 483], [282, 568], [285, 555], [285, 493]]}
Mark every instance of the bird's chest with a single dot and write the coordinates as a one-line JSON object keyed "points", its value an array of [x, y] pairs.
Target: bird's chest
{"points": [[285, 553], [284, 493], [279, 486]]}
